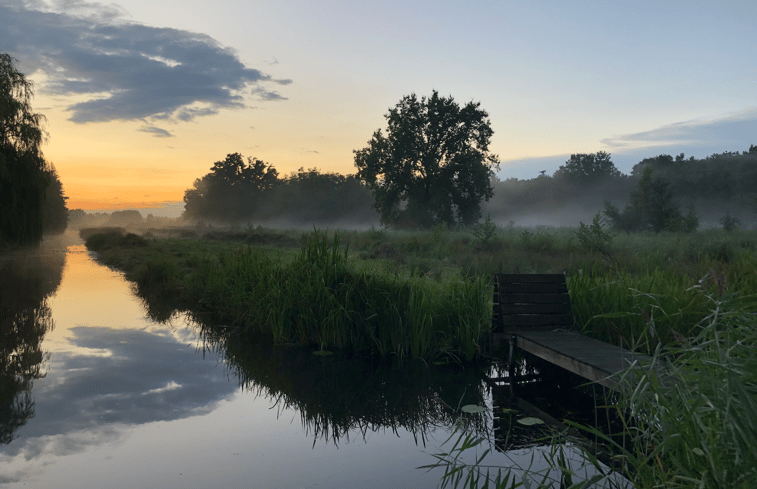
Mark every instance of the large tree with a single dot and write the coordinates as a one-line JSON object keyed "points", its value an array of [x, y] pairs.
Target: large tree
{"points": [[588, 169], [432, 166], [231, 190], [23, 169]]}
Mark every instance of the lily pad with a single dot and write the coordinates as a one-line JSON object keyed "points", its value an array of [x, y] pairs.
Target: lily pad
{"points": [[530, 421], [509, 411], [322, 352], [472, 408]]}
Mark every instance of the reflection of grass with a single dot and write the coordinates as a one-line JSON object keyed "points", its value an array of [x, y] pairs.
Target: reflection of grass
{"points": [[341, 394]]}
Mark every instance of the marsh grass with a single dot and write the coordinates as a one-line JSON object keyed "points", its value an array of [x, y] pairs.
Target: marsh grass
{"points": [[696, 429]]}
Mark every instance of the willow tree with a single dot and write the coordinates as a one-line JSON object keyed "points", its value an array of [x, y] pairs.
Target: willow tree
{"points": [[23, 175], [432, 166]]}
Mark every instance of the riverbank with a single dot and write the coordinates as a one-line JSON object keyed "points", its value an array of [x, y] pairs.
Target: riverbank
{"points": [[689, 300], [635, 291]]}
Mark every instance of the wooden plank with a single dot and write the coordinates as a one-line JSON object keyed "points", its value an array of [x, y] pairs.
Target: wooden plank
{"points": [[546, 308], [512, 298], [588, 357], [546, 288], [537, 320], [526, 278]]}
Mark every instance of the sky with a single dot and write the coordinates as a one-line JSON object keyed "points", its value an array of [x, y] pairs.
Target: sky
{"points": [[142, 96]]}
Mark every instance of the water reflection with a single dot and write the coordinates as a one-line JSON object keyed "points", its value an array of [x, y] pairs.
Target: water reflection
{"points": [[337, 395], [27, 279]]}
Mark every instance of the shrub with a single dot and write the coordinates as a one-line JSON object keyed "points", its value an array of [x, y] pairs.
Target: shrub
{"points": [[593, 237], [730, 223]]}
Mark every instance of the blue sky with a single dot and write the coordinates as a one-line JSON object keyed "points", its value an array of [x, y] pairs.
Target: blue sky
{"points": [[142, 97]]}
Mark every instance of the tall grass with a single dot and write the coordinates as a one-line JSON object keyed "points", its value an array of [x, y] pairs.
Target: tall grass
{"points": [[696, 429], [323, 299]]}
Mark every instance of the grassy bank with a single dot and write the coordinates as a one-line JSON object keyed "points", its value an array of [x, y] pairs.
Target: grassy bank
{"points": [[316, 296], [688, 299], [638, 290]]}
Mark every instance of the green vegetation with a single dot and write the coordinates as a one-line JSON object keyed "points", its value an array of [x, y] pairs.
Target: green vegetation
{"points": [[696, 431], [235, 190], [32, 199], [433, 166], [688, 299]]}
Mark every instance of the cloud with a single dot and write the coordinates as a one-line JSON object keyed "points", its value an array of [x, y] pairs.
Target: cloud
{"points": [[267, 95], [128, 71], [156, 131], [103, 395], [734, 130]]}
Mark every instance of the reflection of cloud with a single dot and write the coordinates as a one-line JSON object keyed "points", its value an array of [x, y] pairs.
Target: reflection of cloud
{"points": [[734, 131], [156, 131], [127, 70], [147, 377]]}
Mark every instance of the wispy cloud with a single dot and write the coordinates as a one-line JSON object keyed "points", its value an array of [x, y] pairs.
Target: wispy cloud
{"points": [[156, 131], [128, 70], [735, 131]]}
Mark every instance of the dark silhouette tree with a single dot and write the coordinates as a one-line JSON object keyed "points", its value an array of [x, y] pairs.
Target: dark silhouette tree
{"points": [[434, 160], [650, 207], [588, 169], [23, 177], [231, 190], [55, 211]]}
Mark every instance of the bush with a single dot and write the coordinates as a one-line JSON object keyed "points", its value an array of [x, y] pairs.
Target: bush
{"points": [[730, 223], [593, 237], [483, 233]]}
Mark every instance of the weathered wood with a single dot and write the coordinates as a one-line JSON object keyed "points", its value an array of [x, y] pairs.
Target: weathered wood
{"points": [[543, 308], [512, 321], [588, 357], [536, 310], [533, 288], [524, 278], [518, 298]]}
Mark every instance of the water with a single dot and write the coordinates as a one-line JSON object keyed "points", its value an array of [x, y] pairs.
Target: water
{"points": [[95, 393]]}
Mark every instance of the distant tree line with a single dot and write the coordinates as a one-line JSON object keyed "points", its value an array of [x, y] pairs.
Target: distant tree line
{"points": [[660, 193], [31, 194], [236, 190]]}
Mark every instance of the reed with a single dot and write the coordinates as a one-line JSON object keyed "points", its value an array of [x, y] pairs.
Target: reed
{"points": [[322, 298]]}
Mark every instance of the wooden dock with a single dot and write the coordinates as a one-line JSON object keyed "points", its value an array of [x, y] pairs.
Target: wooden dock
{"points": [[533, 312]]}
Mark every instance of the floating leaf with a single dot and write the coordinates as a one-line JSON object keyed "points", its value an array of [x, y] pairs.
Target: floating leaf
{"points": [[509, 411], [698, 451], [530, 421], [472, 408], [322, 352]]}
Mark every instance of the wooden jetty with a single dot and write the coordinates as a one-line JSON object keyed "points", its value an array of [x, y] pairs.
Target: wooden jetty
{"points": [[533, 312]]}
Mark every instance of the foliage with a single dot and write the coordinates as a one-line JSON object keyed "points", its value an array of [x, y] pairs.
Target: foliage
{"points": [[124, 218], [239, 191], [434, 160], [484, 233], [650, 207], [594, 237], [23, 169], [588, 169], [55, 211], [231, 189], [113, 239], [730, 223]]}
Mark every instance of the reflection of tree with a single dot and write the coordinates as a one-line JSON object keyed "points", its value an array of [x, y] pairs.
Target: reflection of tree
{"points": [[336, 396], [26, 280]]}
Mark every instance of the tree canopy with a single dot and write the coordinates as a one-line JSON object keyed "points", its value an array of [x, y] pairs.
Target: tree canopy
{"points": [[588, 169], [237, 191], [23, 169], [231, 189], [432, 166]]}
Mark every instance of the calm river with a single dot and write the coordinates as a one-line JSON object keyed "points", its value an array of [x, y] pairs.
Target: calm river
{"points": [[96, 393]]}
